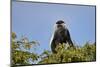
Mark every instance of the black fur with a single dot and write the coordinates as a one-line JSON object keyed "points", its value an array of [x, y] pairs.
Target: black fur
{"points": [[61, 35]]}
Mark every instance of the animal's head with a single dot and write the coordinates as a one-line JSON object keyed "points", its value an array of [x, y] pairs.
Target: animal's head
{"points": [[60, 24]]}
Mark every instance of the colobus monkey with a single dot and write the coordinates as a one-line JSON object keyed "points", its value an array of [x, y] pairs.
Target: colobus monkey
{"points": [[61, 35]]}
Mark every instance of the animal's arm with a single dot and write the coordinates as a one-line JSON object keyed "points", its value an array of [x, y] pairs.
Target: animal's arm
{"points": [[53, 42], [69, 38]]}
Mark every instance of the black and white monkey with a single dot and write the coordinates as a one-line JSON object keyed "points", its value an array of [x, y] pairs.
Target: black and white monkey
{"points": [[61, 35]]}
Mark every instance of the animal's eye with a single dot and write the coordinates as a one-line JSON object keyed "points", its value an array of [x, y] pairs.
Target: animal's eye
{"points": [[59, 26]]}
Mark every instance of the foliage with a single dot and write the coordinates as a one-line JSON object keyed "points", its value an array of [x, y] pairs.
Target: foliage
{"points": [[87, 53], [20, 50], [21, 54]]}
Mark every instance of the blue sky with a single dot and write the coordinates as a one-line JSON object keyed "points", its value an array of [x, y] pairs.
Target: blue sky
{"points": [[36, 21]]}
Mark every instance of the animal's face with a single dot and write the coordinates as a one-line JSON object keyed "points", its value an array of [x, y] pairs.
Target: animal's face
{"points": [[60, 25]]}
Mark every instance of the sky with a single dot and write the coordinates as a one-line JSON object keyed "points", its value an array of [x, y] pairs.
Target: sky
{"points": [[36, 21]]}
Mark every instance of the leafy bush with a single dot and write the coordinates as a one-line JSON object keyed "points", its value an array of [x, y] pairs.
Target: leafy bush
{"points": [[20, 54], [87, 53]]}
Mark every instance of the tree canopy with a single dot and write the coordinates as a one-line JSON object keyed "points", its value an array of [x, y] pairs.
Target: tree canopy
{"points": [[20, 54]]}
